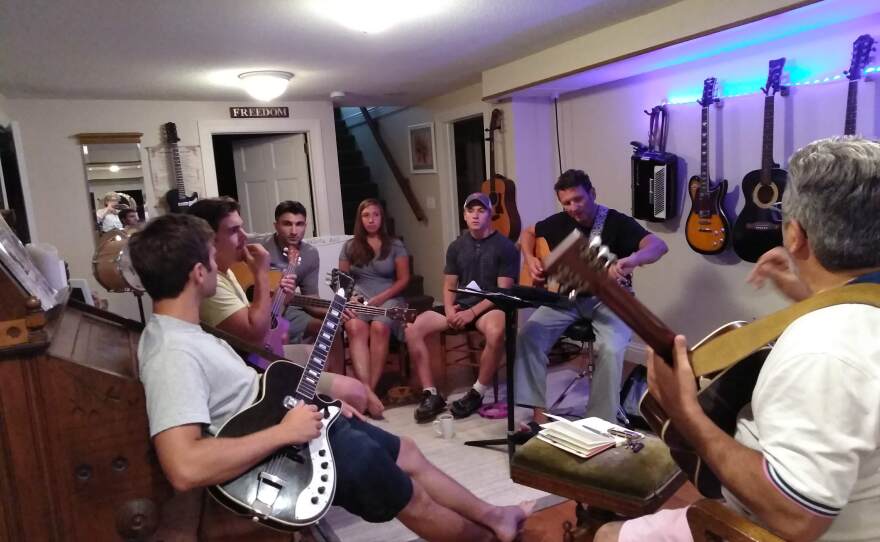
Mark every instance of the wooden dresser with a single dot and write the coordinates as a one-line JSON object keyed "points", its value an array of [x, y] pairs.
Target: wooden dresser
{"points": [[76, 463]]}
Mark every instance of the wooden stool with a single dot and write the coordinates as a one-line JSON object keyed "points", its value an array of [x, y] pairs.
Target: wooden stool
{"points": [[613, 484]]}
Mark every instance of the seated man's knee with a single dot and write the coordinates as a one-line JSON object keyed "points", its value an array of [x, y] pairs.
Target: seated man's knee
{"points": [[494, 336]]}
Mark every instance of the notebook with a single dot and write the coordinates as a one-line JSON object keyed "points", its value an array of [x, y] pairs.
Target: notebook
{"points": [[585, 437]]}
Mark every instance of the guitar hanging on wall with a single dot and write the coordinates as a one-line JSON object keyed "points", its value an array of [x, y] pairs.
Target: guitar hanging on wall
{"points": [[176, 198], [758, 227], [861, 55], [500, 189], [707, 224]]}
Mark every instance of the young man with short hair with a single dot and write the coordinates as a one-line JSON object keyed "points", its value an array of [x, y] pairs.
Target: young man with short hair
{"points": [[483, 256], [195, 382]]}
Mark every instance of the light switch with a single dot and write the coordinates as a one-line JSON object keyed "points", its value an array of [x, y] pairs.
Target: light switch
{"points": [[430, 202]]}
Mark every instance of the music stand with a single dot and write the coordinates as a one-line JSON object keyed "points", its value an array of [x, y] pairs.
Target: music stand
{"points": [[510, 300]]}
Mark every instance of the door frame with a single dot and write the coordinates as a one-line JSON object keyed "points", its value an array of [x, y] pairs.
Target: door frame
{"points": [[328, 209], [449, 197]]}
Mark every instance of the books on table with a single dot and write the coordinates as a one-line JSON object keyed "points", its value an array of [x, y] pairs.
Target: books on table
{"points": [[585, 437]]}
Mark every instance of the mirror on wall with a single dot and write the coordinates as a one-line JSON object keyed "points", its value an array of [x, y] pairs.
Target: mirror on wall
{"points": [[114, 179]]}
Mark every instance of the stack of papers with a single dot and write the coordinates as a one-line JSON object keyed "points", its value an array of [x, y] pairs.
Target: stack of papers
{"points": [[586, 437]]}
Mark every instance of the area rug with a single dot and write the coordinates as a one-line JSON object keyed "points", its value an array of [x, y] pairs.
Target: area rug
{"points": [[484, 471]]}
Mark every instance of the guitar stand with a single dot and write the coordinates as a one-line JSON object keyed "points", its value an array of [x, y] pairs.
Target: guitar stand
{"points": [[510, 300]]}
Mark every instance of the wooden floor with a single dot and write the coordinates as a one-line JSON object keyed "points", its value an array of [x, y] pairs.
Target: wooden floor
{"points": [[547, 525]]}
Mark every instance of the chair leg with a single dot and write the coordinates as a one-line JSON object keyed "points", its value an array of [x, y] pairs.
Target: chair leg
{"points": [[586, 371]]}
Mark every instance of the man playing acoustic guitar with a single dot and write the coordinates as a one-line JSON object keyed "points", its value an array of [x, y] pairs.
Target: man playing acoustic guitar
{"points": [[194, 382], [805, 457]]}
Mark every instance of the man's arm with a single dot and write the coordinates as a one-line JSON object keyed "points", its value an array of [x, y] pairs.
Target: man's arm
{"points": [[740, 468], [651, 249], [191, 460]]}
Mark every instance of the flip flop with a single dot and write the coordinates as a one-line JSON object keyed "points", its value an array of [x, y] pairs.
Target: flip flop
{"points": [[521, 437], [493, 411]]}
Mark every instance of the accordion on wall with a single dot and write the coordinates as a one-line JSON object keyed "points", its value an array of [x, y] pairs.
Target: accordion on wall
{"points": [[654, 173]]}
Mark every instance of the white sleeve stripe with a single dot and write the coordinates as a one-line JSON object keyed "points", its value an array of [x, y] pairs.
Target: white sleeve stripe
{"points": [[811, 505]]}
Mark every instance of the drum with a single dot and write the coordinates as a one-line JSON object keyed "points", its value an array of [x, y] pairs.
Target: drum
{"points": [[112, 264]]}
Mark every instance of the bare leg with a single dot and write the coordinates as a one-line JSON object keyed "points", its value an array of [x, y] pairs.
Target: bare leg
{"points": [[433, 521], [491, 325], [358, 334], [504, 521], [427, 324], [380, 335]]}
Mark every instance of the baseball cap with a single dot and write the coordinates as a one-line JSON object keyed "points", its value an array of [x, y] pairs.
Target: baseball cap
{"points": [[478, 197]]}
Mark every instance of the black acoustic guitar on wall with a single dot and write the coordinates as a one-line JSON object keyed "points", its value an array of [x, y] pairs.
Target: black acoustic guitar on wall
{"points": [[176, 198], [758, 227], [861, 55]]}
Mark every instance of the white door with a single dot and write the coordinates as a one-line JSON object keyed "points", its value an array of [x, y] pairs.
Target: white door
{"points": [[269, 170]]}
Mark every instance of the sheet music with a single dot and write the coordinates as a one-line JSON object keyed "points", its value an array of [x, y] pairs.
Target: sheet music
{"points": [[162, 171]]}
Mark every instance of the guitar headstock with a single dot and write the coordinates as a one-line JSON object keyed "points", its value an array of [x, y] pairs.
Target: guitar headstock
{"points": [[710, 92], [401, 314], [861, 56], [494, 123], [341, 281], [581, 265], [169, 130], [774, 76]]}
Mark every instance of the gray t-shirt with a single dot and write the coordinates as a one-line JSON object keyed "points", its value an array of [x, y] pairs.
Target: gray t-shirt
{"points": [[190, 376], [378, 275], [307, 270], [481, 261]]}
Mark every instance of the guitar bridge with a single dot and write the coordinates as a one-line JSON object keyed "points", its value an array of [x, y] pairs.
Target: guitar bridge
{"points": [[269, 487]]}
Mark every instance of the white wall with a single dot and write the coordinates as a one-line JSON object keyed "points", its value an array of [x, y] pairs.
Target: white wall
{"points": [[4, 117], [696, 293], [427, 241], [55, 168]]}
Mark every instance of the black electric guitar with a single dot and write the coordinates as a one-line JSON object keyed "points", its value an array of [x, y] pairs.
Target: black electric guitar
{"points": [[294, 486], [176, 198], [500, 189], [861, 55], [758, 227], [707, 225]]}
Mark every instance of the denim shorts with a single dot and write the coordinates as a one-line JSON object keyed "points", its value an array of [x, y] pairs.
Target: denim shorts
{"points": [[369, 484]]}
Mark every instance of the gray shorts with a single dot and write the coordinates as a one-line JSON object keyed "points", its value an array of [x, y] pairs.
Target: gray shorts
{"points": [[299, 319]]}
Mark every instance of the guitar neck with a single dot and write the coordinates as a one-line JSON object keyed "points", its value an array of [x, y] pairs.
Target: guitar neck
{"points": [[308, 383], [308, 301], [704, 152], [852, 99], [278, 298], [178, 170], [767, 151]]}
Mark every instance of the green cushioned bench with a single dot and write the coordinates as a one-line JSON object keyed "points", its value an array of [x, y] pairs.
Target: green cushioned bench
{"points": [[616, 482]]}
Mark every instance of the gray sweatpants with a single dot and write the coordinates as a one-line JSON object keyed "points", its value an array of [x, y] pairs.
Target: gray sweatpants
{"points": [[541, 332]]}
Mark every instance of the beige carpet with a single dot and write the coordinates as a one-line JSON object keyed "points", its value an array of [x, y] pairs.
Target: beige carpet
{"points": [[483, 471]]}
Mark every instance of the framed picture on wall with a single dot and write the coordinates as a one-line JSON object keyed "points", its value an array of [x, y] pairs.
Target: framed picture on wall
{"points": [[422, 158]]}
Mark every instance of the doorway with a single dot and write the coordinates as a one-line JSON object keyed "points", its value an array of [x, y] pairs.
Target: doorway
{"points": [[260, 170], [470, 159], [12, 194]]}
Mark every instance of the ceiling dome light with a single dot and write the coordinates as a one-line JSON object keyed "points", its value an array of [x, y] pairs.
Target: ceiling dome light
{"points": [[265, 85]]}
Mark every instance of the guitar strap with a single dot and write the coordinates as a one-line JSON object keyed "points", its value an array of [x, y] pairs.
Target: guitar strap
{"points": [[733, 346]]}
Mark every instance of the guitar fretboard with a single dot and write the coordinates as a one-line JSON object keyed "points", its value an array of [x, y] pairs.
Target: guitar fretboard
{"points": [[767, 151], [178, 171], [852, 99], [308, 383]]}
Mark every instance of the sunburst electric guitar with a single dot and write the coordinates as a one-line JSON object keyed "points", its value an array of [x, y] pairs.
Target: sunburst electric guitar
{"points": [[707, 225], [294, 486]]}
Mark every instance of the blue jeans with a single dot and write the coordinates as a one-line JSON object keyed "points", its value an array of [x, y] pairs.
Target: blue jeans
{"points": [[541, 332]]}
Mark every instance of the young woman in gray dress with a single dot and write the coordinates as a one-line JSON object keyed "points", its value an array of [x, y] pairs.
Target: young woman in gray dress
{"points": [[379, 264]]}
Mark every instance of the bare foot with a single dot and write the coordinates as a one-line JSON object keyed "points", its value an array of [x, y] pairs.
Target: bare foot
{"points": [[507, 521], [375, 408]]}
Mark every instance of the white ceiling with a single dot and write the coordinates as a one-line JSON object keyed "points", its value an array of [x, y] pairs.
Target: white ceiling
{"points": [[194, 49]]}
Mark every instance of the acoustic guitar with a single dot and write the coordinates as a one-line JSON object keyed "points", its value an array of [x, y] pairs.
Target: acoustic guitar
{"points": [[294, 486], [861, 56], [276, 335], [707, 225], [176, 198], [758, 228], [500, 189]]}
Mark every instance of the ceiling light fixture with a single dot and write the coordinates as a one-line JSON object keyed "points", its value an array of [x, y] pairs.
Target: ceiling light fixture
{"points": [[377, 15], [265, 85]]}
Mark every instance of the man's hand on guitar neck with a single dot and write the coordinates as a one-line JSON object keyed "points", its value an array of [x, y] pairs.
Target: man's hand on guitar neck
{"points": [[675, 388]]}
